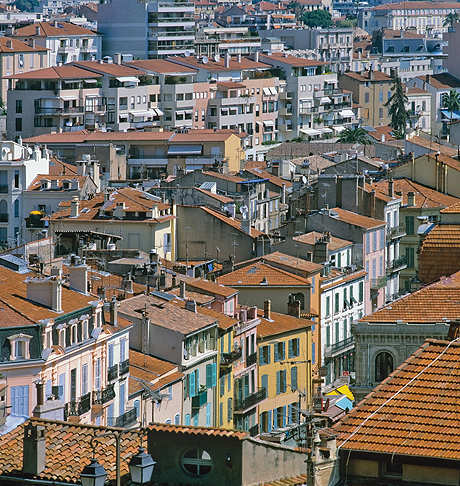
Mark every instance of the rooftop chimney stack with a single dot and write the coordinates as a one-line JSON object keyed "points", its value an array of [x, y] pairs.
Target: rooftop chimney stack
{"points": [[182, 289], [190, 305], [74, 206], [114, 311], [34, 449], [78, 278], [267, 309], [293, 306], [256, 56], [46, 291], [391, 187], [47, 409], [227, 60], [411, 198], [37, 30]]}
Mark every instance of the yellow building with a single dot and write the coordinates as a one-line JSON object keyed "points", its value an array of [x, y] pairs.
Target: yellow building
{"points": [[285, 368]]}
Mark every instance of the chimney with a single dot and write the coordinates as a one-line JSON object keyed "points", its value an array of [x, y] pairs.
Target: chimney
{"points": [[56, 24], [190, 305], [293, 306], [371, 74], [283, 194], [74, 207], [411, 198], [256, 56], [40, 392], [246, 225], [153, 257], [37, 30], [114, 312], [128, 285], [79, 278], [227, 60], [117, 58], [372, 204], [382, 137], [51, 409], [238, 58], [9, 43], [182, 289], [391, 187], [267, 310], [46, 291], [31, 43], [34, 450]]}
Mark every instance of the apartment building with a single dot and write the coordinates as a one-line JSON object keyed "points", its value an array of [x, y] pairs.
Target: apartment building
{"points": [[233, 40], [311, 104], [18, 168], [152, 30], [62, 336], [182, 336], [66, 42], [370, 89]]}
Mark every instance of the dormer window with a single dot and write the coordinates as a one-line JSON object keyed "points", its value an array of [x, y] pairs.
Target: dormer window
{"points": [[62, 338], [73, 335], [19, 346], [66, 185]]}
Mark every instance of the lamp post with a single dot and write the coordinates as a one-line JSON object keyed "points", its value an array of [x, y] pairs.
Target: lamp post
{"points": [[140, 466]]}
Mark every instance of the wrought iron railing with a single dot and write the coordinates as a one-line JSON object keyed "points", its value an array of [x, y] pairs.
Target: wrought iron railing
{"points": [[250, 400], [112, 373]]}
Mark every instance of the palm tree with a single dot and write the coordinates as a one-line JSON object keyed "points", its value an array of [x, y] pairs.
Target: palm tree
{"points": [[397, 108], [451, 102], [355, 135], [450, 19]]}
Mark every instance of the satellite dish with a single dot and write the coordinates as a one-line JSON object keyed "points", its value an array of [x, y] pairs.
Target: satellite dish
{"points": [[187, 53], [304, 180], [204, 60], [244, 211], [30, 151]]}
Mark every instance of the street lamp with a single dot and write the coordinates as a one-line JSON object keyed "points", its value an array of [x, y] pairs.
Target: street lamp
{"points": [[140, 466]]}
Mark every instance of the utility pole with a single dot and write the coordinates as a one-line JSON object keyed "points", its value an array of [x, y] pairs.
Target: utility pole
{"points": [[234, 244]]}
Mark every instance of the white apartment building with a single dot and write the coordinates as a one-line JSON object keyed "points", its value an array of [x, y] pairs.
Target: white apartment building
{"points": [[65, 41], [148, 29], [18, 168]]}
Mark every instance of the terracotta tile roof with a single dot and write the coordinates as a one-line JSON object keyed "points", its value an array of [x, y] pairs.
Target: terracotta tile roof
{"points": [[223, 321], [253, 274], [382, 130], [188, 429], [279, 57], [378, 194], [225, 177], [449, 161], [13, 293], [18, 46], [86, 136], [413, 90], [200, 299], [165, 314], [440, 252], [425, 197], [36, 183], [430, 304], [290, 481], [263, 174], [417, 5], [443, 80], [335, 274], [209, 287], [433, 146], [57, 72], [220, 65], [230, 85], [234, 223], [112, 69], [12, 318], [161, 66], [313, 236], [398, 34], [217, 197], [357, 220], [414, 412], [58, 167], [295, 264], [280, 323], [201, 136], [452, 209], [48, 29], [365, 76]]}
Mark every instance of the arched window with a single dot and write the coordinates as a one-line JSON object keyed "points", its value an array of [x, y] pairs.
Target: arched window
{"points": [[383, 366], [197, 462], [300, 297]]}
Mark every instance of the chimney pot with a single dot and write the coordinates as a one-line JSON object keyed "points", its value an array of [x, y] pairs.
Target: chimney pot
{"points": [[182, 289], [267, 309]]}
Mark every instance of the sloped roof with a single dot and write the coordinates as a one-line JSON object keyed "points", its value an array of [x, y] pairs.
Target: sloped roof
{"points": [[313, 236], [210, 287], [356, 219], [280, 323], [161, 66], [18, 46], [291, 60], [433, 146], [52, 29], [234, 223], [431, 304], [223, 321], [366, 76], [264, 174], [292, 262], [56, 72], [414, 412]]}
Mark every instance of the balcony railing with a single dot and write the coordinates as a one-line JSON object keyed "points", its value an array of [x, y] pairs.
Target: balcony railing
{"points": [[378, 283], [58, 110], [78, 408], [339, 347], [124, 367], [125, 420], [250, 400], [229, 358], [397, 231], [397, 264], [112, 373], [251, 359], [103, 396], [200, 400]]}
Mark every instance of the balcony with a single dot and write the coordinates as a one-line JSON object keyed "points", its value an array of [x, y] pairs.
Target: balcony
{"points": [[103, 396], [228, 358], [124, 367], [75, 409], [96, 109], [33, 222], [286, 111], [112, 373], [396, 265], [251, 359], [286, 95], [378, 283], [251, 400], [59, 111], [339, 347], [397, 231], [123, 421], [200, 400], [254, 430]]}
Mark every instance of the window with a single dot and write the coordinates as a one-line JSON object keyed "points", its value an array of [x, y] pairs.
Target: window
{"points": [[222, 385], [73, 385], [264, 355], [294, 378], [211, 375], [264, 382], [328, 305], [19, 344], [208, 415], [383, 366], [221, 414], [337, 298], [84, 379], [280, 382], [16, 179], [361, 292], [410, 257], [366, 97], [381, 96], [18, 106], [279, 349], [196, 462], [313, 352], [19, 124], [16, 208], [410, 230], [187, 419], [229, 409], [294, 348], [380, 112]]}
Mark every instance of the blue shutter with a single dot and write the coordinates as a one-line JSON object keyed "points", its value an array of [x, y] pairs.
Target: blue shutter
{"points": [[275, 418], [294, 378], [313, 353], [62, 387], [289, 413], [291, 353], [229, 344], [269, 355], [246, 386], [110, 355], [137, 407], [47, 389], [121, 406], [222, 385], [278, 382], [284, 416], [269, 421], [187, 419], [283, 350], [283, 381], [191, 388], [221, 414], [277, 358], [214, 374], [261, 356], [297, 347], [20, 400], [208, 376], [196, 418], [264, 382], [222, 345], [208, 415], [197, 382], [110, 420], [261, 423], [229, 382]]}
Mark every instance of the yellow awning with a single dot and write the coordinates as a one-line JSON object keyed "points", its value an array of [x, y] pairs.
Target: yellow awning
{"points": [[342, 390]]}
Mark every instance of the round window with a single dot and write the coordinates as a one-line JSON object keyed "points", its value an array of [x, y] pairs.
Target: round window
{"points": [[196, 462]]}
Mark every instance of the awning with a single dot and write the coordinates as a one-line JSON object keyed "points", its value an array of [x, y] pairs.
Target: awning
{"points": [[70, 81], [266, 91], [68, 98], [128, 79], [269, 123], [325, 99], [158, 112], [273, 90], [92, 96], [310, 131], [90, 81], [455, 114], [325, 130], [347, 114], [259, 123], [339, 128], [184, 150], [141, 113]]}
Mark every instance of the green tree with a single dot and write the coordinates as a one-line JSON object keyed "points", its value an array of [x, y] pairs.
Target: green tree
{"points": [[450, 19], [317, 18], [347, 23], [297, 9], [451, 102], [397, 108], [355, 135], [26, 5]]}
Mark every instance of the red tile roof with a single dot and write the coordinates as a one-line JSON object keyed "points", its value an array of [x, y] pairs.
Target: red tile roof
{"points": [[313, 236], [209, 287], [234, 223], [281, 323], [356, 219], [293, 263], [48, 29], [263, 174], [218, 66], [431, 304], [279, 57], [414, 412], [18, 46], [56, 72], [161, 66], [365, 76], [432, 146]]}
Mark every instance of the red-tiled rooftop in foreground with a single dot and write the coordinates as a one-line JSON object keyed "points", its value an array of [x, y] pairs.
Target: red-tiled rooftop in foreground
{"points": [[421, 420]]}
